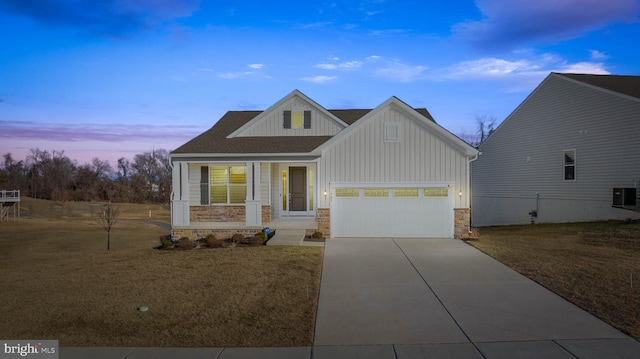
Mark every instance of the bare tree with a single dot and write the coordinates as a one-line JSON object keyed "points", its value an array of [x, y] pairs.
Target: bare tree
{"points": [[486, 126], [107, 218]]}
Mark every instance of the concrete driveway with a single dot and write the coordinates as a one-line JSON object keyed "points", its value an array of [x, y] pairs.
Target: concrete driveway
{"points": [[441, 298]]}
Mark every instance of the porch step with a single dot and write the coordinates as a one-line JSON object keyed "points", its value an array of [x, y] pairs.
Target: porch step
{"points": [[287, 237]]}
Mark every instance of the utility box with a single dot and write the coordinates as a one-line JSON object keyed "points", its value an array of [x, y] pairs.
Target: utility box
{"points": [[624, 197]]}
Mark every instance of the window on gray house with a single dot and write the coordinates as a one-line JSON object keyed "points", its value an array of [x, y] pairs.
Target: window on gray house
{"points": [[569, 165]]}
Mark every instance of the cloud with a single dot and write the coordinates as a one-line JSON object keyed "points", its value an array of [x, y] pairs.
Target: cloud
{"points": [[516, 75], [110, 18], [489, 67], [511, 23], [375, 65], [344, 65], [597, 55], [68, 132], [399, 71], [584, 68], [319, 79], [240, 74]]}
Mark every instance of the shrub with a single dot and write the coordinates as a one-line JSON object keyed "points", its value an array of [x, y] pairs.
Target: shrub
{"points": [[256, 241], [262, 235], [238, 238], [215, 243], [166, 244], [210, 237], [186, 243], [317, 235]]}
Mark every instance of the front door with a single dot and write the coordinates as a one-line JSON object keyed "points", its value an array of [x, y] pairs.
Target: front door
{"points": [[298, 189]]}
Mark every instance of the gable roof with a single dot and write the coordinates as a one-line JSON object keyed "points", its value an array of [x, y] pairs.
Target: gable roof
{"points": [[627, 85], [218, 140], [420, 116]]}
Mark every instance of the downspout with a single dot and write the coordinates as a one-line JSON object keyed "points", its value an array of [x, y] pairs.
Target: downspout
{"points": [[469, 196]]}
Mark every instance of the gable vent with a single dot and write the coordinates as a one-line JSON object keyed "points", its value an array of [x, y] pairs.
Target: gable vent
{"points": [[392, 132]]}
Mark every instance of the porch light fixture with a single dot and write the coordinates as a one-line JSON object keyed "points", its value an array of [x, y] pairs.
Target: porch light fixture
{"points": [[460, 194], [325, 194]]}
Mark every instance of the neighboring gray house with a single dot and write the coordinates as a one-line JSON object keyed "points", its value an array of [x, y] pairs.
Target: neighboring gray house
{"points": [[561, 153], [386, 172]]}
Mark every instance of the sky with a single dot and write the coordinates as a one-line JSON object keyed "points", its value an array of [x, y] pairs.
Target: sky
{"points": [[113, 78]]}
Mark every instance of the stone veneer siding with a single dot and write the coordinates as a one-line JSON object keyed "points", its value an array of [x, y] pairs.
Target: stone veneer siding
{"points": [[195, 234], [266, 214], [323, 218], [224, 213], [217, 213], [462, 221]]}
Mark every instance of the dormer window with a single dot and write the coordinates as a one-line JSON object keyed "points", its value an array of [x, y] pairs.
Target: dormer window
{"points": [[296, 119]]}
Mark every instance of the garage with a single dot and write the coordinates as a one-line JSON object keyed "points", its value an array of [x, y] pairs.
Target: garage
{"points": [[401, 210]]}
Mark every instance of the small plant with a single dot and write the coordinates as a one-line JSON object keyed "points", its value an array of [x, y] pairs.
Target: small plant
{"points": [[237, 238], [317, 235], [210, 237], [256, 241], [215, 243], [262, 235], [186, 243], [166, 244]]}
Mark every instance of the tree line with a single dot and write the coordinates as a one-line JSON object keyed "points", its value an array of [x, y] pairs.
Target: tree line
{"points": [[54, 176]]}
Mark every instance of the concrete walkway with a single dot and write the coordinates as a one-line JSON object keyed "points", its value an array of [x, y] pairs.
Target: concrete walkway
{"points": [[291, 237], [425, 298]]}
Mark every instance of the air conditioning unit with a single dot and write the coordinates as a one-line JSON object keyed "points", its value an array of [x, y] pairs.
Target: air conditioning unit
{"points": [[624, 197]]}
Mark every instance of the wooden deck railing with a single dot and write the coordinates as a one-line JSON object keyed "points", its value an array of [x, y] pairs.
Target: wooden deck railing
{"points": [[10, 195]]}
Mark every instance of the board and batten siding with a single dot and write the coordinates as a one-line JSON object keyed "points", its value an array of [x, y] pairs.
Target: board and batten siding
{"points": [[525, 156], [321, 124], [419, 157]]}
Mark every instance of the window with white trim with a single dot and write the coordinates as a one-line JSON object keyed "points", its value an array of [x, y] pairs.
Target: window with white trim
{"points": [[227, 184]]}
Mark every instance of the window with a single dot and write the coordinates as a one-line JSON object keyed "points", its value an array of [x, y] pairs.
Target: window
{"points": [[228, 184], [296, 119], [347, 192], [405, 192], [569, 165], [376, 192], [436, 192]]}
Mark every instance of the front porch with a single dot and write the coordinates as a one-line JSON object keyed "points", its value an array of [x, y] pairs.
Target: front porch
{"points": [[222, 230]]}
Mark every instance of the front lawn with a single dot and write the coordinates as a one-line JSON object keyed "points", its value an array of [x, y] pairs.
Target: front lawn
{"points": [[589, 264], [59, 282]]}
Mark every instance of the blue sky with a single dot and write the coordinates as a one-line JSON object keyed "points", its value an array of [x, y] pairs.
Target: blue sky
{"points": [[112, 78]]}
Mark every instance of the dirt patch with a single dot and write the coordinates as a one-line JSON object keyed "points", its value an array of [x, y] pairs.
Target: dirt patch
{"points": [[589, 264]]}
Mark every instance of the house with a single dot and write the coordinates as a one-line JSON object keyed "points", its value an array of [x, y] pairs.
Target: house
{"points": [[385, 172], [559, 156]]}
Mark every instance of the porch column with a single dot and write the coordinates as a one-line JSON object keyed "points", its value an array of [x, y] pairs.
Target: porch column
{"points": [[253, 202], [180, 194]]}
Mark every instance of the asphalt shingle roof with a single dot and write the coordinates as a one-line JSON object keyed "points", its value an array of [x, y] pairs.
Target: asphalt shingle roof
{"points": [[215, 141], [627, 85]]}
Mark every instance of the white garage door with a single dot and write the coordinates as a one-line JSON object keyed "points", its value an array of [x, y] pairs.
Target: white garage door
{"points": [[424, 211]]}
